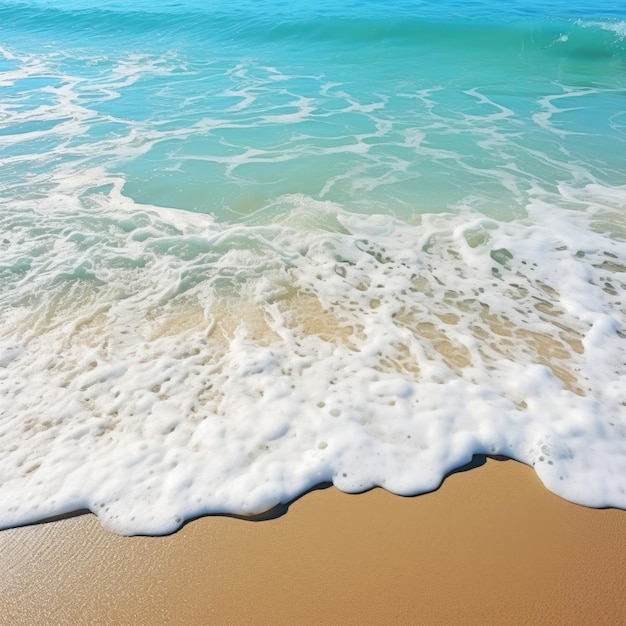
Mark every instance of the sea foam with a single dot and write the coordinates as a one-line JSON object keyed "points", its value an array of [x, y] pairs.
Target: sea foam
{"points": [[166, 368]]}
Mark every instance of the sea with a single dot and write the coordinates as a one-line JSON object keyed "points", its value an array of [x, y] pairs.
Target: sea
{"points": [[250, 248]]}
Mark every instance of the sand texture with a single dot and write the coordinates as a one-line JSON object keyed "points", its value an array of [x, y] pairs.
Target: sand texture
{"points": [[492, 545]]}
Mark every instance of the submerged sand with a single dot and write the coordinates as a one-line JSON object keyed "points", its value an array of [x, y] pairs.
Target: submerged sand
{"points": [[491, 546]]}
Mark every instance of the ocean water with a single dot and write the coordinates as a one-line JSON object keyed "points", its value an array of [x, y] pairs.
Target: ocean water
{"points": [[249, 247]]}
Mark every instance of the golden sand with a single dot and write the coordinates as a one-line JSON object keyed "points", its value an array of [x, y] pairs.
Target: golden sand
{"points": [[492, 546]]}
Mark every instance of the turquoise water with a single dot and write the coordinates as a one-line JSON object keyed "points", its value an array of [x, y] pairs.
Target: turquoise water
{"points": [[249, 247], [399, 104]]}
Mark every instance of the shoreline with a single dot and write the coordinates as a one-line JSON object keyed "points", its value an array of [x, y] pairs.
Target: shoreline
{"points": [[490, 545]]}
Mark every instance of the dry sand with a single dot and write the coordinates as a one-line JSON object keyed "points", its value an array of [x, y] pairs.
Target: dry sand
{"points": [[491, 546]]}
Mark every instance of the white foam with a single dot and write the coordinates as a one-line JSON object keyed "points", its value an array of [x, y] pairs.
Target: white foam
{"points": [[614, 26], [203, 368]]}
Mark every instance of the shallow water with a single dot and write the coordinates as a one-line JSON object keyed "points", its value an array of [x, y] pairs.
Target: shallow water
{"points": [[248, 249]]}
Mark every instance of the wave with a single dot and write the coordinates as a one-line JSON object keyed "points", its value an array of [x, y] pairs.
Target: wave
{"points": [[420, 254], [444, 29]]}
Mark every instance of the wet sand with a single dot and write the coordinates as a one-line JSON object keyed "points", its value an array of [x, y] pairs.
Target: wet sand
{"points": [[492, 545]]}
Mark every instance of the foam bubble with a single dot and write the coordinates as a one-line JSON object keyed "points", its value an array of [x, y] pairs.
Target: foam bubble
{"points": [[171, 378]]}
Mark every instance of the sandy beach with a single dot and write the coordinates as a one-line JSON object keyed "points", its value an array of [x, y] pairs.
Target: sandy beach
{"points": [[492, 545], [247, 248]]}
